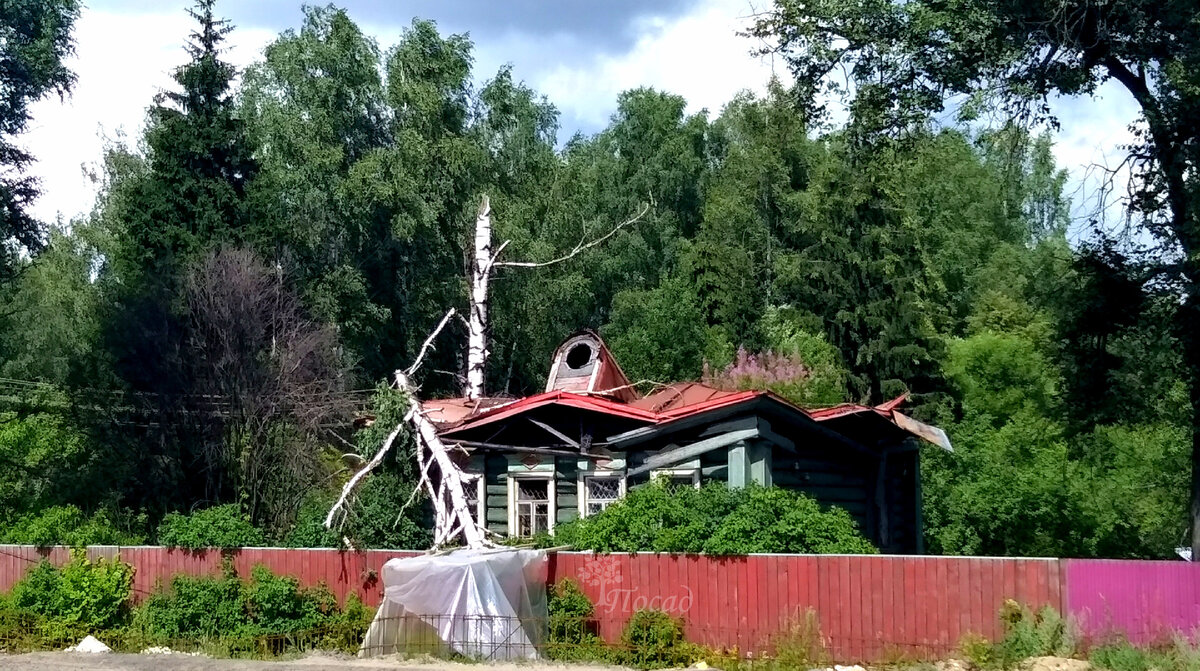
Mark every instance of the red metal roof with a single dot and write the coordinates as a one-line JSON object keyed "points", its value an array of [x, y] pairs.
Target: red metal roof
{"points": [[674, 400], [562, 398]]}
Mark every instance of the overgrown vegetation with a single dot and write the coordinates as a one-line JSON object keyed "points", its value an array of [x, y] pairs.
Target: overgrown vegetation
{"points": [[81, 595], [217, 527], [56, 606], [715, 520], [274, 241], [1026, 634]]}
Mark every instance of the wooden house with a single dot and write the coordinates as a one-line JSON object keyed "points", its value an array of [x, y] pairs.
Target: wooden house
{"points": [[582, 444]]}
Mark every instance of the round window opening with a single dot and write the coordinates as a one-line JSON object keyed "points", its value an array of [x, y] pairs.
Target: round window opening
{"points": [[579, 356]]}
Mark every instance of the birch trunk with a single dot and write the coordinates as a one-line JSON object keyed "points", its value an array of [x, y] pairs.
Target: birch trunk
{"points": [[477, 350], [459, 513]]}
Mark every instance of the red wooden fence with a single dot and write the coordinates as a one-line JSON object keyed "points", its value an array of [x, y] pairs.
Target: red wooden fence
{"points": [[344, 573], [868, 607]]}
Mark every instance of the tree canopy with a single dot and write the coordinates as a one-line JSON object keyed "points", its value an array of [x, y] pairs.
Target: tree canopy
{"points": [[277, 243]]}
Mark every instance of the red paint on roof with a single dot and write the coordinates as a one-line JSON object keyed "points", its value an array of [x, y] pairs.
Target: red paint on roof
{"points": [[679, 395], [674, 402], [561, 398]]}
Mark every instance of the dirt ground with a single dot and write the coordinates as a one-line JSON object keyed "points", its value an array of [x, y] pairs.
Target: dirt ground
{"points": [[64, 661]]}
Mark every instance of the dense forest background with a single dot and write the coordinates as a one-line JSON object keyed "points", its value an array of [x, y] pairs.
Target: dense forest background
{"points": [[279, 240]]}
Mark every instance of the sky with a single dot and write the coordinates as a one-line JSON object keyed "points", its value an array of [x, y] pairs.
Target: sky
{"points": [[579, 53]]}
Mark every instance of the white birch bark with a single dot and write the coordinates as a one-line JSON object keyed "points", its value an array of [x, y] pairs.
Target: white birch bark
{"points": [[481, 270]]}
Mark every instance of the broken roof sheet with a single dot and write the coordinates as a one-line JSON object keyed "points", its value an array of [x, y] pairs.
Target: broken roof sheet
{"points": [[671, 404]]}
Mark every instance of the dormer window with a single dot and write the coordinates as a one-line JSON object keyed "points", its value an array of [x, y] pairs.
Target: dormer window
{"points": [[583, 365], [579, 356]]}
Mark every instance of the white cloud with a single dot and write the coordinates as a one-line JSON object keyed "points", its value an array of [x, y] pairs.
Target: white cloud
{"points": [[1090, 140], [122, 61], [698, 55]]}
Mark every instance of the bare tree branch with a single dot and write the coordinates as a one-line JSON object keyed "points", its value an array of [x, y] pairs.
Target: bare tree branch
{"points": [[582, 246]]}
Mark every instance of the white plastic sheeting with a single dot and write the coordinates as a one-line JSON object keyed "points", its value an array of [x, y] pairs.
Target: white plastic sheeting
{"points": [[484, 604]]}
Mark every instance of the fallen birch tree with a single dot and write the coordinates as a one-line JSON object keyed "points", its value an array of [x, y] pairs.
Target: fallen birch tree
{"points": [[447, 494]]}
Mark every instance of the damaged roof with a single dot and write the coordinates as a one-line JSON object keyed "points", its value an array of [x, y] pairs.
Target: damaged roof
{"points": [[585, 380]]}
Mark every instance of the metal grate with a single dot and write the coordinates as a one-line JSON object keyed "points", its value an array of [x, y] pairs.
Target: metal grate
{"points": [[601, 493], [533, 507], [533, 490]]}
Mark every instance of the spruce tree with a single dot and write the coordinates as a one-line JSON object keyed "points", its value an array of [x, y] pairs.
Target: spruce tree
{"points": [[201, 162]]}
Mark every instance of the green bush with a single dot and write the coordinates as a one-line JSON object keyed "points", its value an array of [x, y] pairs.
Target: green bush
{"points": [[217, 527], [345, 631], [653, 640], [716, 520], [1120, 657], [1026, 634], [240, 614], [194, 608], [82, 595], [67, 525], [571, 628]]}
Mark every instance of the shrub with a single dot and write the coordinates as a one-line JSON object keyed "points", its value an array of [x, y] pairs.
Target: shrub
{"points": [[277, 605], [82, 595], [345, 631], [653, 640], [67, 525], [716, 520], [570, 625], [194, 607], [239, 614], [770, 519], [569, 610], [1120, 657], [371, 522], [800, 645], [977, 650], [217, 527], [1028, 634]]}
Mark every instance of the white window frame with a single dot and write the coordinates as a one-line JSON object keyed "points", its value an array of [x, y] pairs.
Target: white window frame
{"points": [[552, 510], [583, 491], [693, 473]]}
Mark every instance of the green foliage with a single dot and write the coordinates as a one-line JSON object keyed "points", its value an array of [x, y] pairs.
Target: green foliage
{"points": [[82, 595], [37, 42], [569, 610], [1180, 655], [45, 460], [224, 607], [657, 334], [716, 520], [1120, 657], [893, 254], [653, 640], [1026, 634], [374, 521], [1000, 375], [217, 527], [786, 331], [68, 525], [571, 626]]}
